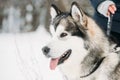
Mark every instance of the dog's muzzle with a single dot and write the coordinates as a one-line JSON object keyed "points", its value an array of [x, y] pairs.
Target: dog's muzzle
{"points": [[56, 61]]}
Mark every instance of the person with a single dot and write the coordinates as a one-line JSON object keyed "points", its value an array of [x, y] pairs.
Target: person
{"points": [[103, 9]]}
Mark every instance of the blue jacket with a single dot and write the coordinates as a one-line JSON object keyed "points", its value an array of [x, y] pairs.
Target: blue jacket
{"points": [[102, 21]]}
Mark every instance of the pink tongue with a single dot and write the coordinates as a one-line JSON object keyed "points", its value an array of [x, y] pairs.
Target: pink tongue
{"points": [[53, 63]]}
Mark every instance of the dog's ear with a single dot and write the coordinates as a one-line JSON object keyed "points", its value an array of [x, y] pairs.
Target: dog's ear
{"points": [[54, 11], [78, 14]]}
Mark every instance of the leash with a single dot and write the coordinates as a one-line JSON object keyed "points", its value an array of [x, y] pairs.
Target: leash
{"points": [[109, 24]]}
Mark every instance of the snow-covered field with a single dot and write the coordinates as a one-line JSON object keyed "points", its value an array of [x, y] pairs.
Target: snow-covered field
{"points": [[21, 57]]}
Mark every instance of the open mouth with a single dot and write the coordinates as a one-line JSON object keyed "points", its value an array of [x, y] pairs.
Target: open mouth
{"points": [[56, 61]]}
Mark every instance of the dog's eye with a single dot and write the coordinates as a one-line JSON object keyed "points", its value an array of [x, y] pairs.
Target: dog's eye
{"points": [[63, 35]]}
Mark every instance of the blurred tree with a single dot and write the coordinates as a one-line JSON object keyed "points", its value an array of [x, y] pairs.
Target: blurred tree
{"points": [[39, 15]]}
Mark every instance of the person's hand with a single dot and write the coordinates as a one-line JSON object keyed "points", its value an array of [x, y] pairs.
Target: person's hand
{"points": [[111, 9]]}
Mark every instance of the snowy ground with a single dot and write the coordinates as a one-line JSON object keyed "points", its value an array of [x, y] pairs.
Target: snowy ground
{"points": [[21, 57]]}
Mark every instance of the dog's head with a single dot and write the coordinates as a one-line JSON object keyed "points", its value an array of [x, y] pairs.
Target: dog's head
{"points": [[70, 36]]}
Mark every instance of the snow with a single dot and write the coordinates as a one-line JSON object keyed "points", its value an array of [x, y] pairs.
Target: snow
{"points": [[21, 57]]}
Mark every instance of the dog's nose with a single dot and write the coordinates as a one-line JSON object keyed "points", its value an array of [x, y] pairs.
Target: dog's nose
{"points": [[46, 50]]}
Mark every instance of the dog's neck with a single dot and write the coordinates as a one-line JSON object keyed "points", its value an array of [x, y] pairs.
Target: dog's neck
{"points": [[89, 65]]}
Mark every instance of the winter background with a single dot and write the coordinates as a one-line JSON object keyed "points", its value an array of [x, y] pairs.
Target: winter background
{"points": [[24, 30]]}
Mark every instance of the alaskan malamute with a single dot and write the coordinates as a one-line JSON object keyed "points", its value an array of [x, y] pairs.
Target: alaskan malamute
{"points": [[80, 48]]}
